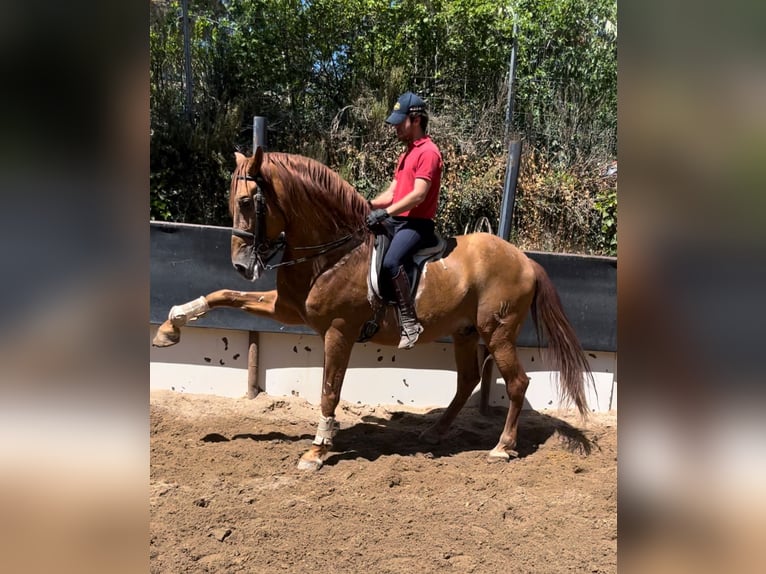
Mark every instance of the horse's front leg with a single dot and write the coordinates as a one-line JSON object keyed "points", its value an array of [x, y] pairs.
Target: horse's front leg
{"points": [[337, 352], [264, 303]]}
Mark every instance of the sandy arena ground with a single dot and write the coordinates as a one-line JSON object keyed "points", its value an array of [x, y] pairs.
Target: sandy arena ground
{"points": [[226, 495]]}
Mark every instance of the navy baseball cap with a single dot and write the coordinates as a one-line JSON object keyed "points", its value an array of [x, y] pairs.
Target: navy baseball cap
{"points": [[405, 105]]}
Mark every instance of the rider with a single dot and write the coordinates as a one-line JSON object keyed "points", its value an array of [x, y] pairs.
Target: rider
{"points": [[409, 204]]}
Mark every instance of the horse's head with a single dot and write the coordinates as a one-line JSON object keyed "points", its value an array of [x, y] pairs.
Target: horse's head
{"points": [[258, 224]]}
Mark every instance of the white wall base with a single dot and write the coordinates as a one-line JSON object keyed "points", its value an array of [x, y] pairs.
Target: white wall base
{"points": [[214, 361]]}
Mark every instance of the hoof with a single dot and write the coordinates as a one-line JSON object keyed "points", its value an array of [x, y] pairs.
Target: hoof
{"points": [[313, 458], [500, 455], [166, 336], [430, 436], [314, 465]]}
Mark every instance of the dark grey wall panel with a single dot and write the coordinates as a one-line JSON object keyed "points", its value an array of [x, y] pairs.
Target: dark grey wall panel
{"points": [[192, 260], [588, 290]]}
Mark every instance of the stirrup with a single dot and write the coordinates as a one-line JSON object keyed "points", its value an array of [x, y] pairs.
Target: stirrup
{"points": [[410, 335]]}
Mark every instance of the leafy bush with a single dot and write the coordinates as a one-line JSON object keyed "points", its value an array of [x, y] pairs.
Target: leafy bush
{"points": [[606, 207], [327, 96]]}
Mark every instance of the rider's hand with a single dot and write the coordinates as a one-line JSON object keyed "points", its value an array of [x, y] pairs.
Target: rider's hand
{"points": [[376, 217]]}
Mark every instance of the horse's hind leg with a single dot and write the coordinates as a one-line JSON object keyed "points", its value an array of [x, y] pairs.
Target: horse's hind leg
{"points": [[468, 375], [516, 383]]}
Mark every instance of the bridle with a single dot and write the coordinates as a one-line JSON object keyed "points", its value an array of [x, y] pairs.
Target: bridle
{"points": [[263, 250]]}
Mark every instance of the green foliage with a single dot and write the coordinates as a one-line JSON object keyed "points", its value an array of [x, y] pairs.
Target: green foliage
{"points": [[326, 72], [560, 209], [472, 188], [567, 78], [606, 207]]}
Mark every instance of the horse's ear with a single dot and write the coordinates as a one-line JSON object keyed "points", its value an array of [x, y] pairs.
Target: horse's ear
{"points": [[239, 157], [255, 165]]}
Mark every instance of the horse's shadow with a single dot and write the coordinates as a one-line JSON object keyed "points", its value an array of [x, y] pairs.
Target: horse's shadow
{"points": [[471, 431], [399, 435], [270, 436]]}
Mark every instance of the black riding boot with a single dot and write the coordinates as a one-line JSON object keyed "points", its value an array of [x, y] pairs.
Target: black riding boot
{"points": [[408, 321]]}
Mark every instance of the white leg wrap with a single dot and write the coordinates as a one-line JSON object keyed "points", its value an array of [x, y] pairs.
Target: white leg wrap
{"points": [[325, 431], [181, 314]]}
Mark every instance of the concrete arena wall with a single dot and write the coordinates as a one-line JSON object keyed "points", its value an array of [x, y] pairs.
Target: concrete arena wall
{"points": [[190, 260], [214, 361]]}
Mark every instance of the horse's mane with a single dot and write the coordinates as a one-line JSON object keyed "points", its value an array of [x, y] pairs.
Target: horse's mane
{"points": [[312, 191]]}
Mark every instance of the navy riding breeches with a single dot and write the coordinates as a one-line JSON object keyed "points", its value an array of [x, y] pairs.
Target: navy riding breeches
{"points": [[409, 235]]}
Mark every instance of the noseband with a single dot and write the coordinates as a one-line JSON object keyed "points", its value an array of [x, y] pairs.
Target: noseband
{"points": [[262, 249]]}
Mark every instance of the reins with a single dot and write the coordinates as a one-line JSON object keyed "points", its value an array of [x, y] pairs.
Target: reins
{"points": [[261, 246], [325, 248]]}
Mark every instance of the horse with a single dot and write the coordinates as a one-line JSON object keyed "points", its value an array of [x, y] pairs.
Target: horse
{"points": [[483, 288]]}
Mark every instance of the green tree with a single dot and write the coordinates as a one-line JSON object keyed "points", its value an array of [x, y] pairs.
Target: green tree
{"points": [[326, 72]]}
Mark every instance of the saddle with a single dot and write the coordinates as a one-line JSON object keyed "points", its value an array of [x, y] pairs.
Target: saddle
{"points": [[433, 249]]}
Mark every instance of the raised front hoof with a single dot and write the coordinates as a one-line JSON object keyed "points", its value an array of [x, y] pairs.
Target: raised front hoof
{"points": [[501, 455], [167, 335], [430, 436]]}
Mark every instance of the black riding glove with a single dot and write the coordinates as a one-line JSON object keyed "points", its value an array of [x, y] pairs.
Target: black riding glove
{"points": [[377, 217]]}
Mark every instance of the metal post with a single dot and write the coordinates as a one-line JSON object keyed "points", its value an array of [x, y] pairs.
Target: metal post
{"points": [[259, 139], [187, 58], [509, 190], [506, 209], [252, 365], [259, 132], [504, 232], [511, 77], [487, 369]]}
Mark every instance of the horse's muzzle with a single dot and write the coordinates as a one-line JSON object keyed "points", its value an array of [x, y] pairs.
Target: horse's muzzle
{"points": [[251, 272], [251, 260]]}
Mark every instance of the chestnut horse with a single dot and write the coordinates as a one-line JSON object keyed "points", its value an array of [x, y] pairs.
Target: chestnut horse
{"points": [[482, 288]]}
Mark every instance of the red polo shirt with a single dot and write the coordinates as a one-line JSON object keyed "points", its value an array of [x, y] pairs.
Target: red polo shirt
{"points": [[421, 160]]}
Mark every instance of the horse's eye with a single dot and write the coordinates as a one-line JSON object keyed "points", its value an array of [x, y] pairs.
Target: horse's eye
{"points": [[245, 203]]}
